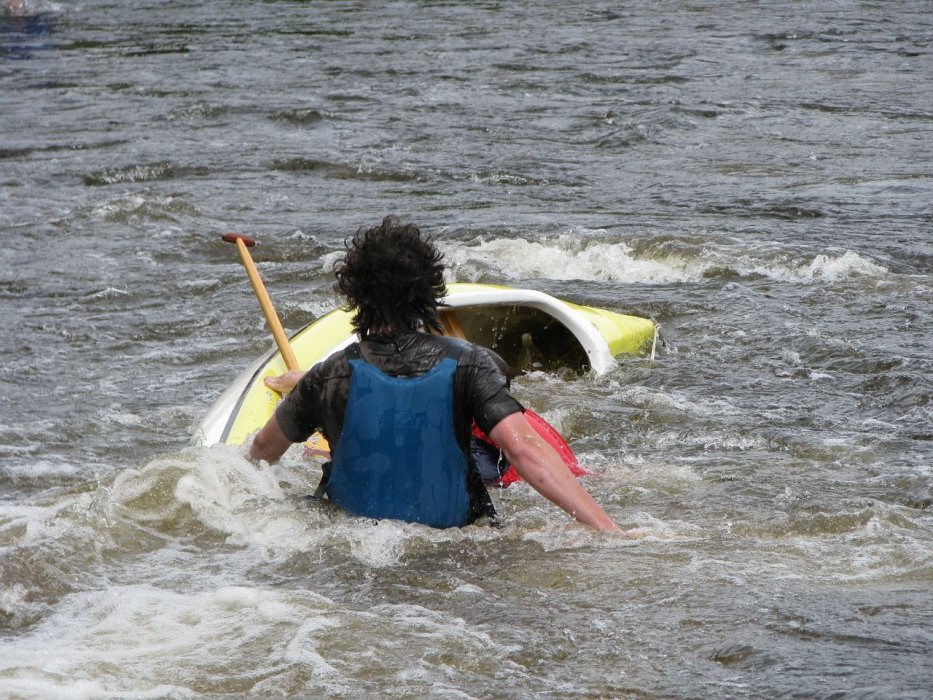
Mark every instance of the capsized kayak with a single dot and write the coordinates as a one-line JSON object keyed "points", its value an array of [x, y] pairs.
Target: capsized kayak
{"points": [[531, 330]]}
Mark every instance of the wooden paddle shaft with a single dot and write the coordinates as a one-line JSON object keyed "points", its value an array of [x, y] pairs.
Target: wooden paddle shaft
{"points": [[268, 310]]}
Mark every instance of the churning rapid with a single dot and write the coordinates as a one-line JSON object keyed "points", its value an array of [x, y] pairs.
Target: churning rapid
{"points": [[756, 178]]}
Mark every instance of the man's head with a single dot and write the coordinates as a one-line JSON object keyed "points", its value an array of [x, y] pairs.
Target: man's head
{"points": [[391, 277]]}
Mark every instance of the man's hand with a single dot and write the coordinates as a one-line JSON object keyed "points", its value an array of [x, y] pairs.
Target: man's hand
{"points": [[284, 383]]}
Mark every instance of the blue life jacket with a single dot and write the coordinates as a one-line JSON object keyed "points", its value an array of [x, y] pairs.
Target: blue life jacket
{"points": [[398, 456]]}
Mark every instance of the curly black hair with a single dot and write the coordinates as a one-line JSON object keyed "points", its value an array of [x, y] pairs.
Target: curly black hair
{"points": [[392, 278]]}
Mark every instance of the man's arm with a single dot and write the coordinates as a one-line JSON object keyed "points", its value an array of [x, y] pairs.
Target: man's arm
{"points": [[270, 443], [540, 465]]}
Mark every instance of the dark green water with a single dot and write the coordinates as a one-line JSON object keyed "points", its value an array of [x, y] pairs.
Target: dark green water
{"points": [[755, 176]]}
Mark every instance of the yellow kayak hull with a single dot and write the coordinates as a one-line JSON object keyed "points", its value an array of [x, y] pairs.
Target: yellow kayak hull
{"points": [[530, 329]]}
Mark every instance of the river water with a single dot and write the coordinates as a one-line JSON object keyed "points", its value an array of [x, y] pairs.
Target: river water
{"points": [[755, 176]]}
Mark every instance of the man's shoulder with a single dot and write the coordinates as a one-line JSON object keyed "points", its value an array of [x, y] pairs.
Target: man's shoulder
{"points": [[465, 351], [415, 353], [476, 359], [335, 365]]}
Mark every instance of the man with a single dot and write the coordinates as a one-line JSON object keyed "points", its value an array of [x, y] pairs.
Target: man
{"points": [[398, 406]]}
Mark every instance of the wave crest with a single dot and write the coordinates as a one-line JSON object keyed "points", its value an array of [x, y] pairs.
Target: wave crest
{"points": [[578, 257]]}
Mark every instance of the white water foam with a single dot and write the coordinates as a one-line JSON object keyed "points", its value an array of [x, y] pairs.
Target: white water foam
{"points": [[15, 605], [380, 545], [260, 508], [568, 257], [224, 491], [29, 470], [887, 545], [673, 402], [142, 641], [328, 260], [823, 267], [576, 256], [25, 525]]}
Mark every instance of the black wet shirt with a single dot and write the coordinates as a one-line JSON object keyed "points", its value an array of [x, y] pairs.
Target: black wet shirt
{"points": [[319, 400]]}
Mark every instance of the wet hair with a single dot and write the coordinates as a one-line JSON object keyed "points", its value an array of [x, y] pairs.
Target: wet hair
{"points": [[392, 278]]}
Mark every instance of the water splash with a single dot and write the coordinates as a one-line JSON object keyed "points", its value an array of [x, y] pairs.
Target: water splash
{"points": [[569, 258], [579, 257]]}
